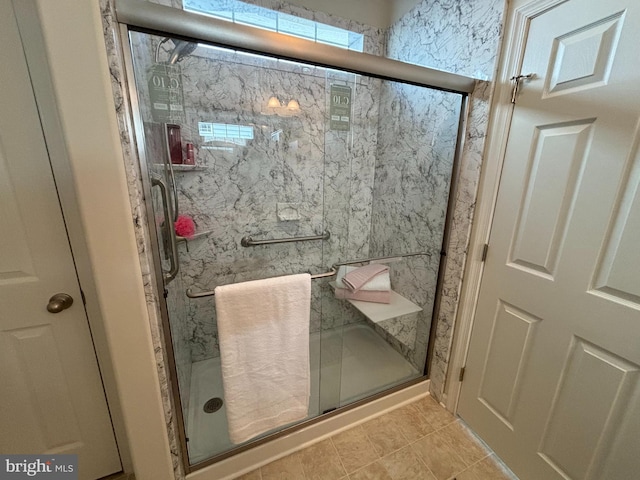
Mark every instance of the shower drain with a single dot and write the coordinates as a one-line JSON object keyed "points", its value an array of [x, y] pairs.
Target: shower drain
{"points": [[213, 405]]}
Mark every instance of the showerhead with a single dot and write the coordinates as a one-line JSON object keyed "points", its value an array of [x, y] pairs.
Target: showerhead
{"points": [[182, 49]]}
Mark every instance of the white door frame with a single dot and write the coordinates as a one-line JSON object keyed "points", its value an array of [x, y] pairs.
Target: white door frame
{"points": [[518, 17]]}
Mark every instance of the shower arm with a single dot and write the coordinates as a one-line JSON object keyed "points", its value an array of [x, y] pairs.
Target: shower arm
{"points": [[332, 272]]}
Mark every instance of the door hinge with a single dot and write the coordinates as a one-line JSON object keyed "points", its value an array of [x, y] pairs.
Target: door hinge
{"points": [[461, 376], [485, 249], [516, 79]]}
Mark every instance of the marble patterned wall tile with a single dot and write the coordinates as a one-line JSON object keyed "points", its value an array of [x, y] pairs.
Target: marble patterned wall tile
{"points": [[462, 38], [139, 219], [416, 145], [471, 162], [459, 37], [348, 185], [180, 337], [373, 36], [403, 329], [324, 175]]}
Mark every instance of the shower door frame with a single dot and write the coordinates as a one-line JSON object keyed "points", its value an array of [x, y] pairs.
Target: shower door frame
{"points": [[155, 19]]}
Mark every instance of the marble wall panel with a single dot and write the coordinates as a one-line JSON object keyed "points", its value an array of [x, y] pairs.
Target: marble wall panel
{"points": [[416, 144], [348, 183], [180, 337], [461, 37], [139, 219], [238, 192], [291, 159], [373, 36]]}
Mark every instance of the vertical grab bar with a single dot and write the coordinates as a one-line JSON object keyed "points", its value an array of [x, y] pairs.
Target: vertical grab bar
{"points": [[168, 231], [169, 166]]}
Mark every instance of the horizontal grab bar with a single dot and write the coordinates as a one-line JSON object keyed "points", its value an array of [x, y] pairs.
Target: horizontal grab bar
{"points": [[375, 259], [211, 293], [330, 273], [250, 242]]}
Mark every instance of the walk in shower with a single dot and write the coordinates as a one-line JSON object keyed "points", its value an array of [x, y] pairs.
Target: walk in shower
{"points": [[284, 165]]}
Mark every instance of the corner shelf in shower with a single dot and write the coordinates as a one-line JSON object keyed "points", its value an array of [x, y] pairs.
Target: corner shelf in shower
{"points": [[379, 312], [204, 233], [188, 168], [178, 167]]}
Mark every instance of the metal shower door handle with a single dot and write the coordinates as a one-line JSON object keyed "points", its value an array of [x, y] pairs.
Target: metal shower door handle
{"points": [[168, 231], [169, 167], [59, 302]]}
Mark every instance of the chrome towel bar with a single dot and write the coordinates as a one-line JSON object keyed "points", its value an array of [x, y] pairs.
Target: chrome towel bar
{"points": [[330, 273], [250, 242], [211, 293], [379, 259]]}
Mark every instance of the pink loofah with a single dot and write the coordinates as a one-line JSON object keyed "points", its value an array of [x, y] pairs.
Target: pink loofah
{"points": [[185, 227]]}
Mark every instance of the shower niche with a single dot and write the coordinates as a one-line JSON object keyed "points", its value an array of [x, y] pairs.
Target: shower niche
{"points": [[353, 169]]}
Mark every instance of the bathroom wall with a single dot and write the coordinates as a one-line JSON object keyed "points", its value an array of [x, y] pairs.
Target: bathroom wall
{"points": [[294, 163], [290, 167], [373, 36], [340, 182], [139, 220], [416, 145], [143, 57], [460, 37], [412, 132]]}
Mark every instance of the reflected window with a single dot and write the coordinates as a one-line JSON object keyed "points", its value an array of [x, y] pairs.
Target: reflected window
{"points": [[255, 16], [225, 132]]}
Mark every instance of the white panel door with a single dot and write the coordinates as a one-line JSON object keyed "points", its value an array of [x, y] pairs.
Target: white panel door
{"points": [[552, 379], [51, 395]]}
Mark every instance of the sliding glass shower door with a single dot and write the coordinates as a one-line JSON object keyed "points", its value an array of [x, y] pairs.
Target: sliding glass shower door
{"points": [[261, 167]]}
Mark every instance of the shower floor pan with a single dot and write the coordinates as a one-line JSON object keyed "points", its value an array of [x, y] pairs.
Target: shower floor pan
{"points": [[356, 363]]}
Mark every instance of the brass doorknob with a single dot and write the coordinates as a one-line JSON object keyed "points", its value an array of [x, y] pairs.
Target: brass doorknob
{"points": [[59, 302]]}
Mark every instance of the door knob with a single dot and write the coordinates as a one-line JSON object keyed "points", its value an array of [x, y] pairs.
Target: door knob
{"points": [[59, 302]]}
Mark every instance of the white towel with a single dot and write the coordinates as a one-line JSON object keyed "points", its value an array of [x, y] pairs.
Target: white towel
{"points": [[263, 329], [380, 283]]}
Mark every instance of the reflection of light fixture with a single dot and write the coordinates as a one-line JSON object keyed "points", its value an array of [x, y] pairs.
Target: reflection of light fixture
{"points": [[273, 102], [293, 105], [275, 106]]}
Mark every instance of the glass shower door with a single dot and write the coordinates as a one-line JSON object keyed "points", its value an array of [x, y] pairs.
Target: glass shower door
{"points": [[160, 147], [286, 168], [252, 171]]}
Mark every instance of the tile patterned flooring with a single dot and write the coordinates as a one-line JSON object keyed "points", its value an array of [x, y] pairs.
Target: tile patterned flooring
{"points": [[420, 440]]}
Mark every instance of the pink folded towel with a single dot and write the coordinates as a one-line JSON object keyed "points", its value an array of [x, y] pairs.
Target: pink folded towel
{"points": [[374, 296], [356, 279]]}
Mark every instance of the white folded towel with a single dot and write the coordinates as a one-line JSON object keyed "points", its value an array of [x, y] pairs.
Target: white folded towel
{"points": [[263, 328], [380, 283]]}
